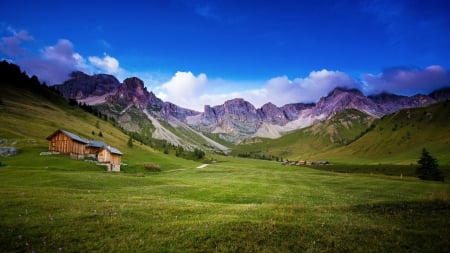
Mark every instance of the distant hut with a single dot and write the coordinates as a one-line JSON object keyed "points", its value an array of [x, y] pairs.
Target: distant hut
{"points": [[110, 156], [93, 147], [71, 144], [67, 143]]}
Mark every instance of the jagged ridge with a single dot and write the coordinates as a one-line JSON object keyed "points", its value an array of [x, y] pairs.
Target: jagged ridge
{"points": [[236, 119]]}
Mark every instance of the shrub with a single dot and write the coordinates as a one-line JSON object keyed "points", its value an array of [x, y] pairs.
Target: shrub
{"points": [[152, 167]]}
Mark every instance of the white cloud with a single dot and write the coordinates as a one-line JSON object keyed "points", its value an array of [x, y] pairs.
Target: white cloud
{"points": [[107, 64], [183, 89], [190, 91], [12, 45], [282, 90], [55, 62], [407, 81]]}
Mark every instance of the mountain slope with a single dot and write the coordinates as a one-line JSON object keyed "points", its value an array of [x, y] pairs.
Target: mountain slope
{"points": [[305, 143], [354, 137], [400, 137], [136, 110], [239, 119], [29, 112], [139, 111]]}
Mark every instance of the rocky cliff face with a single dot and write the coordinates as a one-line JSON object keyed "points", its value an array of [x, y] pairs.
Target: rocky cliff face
{"points": [[441, 94], [389, 103], [235, 117], [341, 99], [239, 119], [132, 92], [81, 85]]}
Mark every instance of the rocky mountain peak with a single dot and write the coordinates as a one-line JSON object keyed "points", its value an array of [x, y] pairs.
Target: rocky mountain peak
{"points": [[78, 75], [342, 90], [236, 119], [272, 114], [132, 91], [134, 83], [81, 85], [238, 106], [441, 94], [341, 98], [385, 97]]}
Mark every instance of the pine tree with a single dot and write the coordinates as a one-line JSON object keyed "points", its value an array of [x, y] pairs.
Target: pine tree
{"points": [[130, 142], [428, 167]]}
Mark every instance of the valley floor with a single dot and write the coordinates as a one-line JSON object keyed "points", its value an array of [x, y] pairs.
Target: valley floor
{"points": [[234, 205]]}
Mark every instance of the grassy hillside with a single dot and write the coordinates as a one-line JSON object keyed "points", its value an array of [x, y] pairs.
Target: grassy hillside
{"points": [[352, 137], [310, 142], [400, 137], [28, 116]]}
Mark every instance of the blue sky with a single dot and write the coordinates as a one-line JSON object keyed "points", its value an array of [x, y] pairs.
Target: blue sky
{"points": [[196, 52]]}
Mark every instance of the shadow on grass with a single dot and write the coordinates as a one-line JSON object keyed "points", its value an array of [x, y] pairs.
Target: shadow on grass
{"points": [[383, 227]]}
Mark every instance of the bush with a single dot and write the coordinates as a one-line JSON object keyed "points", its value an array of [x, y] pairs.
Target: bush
{"points": [[152, 167]]}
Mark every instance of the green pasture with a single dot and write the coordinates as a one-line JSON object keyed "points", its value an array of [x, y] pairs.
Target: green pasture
{"points": [[54, 204]]}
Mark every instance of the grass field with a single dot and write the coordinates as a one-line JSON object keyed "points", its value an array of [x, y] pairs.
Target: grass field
{"points": [[55, 204]]}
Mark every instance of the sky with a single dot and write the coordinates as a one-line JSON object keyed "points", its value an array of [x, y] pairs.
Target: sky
{"points": [[203, 52]]}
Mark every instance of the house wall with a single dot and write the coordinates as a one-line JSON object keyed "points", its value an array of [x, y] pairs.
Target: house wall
{"points": [[65, 145], [115, 159], [104, 156]]}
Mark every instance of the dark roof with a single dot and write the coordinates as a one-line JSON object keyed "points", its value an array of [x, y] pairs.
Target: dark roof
{"points": [[90, 143], [71, 136], [113, 150], [96, 144]]}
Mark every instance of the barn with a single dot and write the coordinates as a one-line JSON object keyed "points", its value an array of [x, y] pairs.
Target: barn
{"points": [[67, 143], [76, 147], [111, 156]]}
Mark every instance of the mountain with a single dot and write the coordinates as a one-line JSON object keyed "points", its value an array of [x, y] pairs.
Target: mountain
{"points": [[399, 137], [441, 94], [337, 130], [81, 85], [236, 119], [354, 137], [341, 129], [140, 111], [31, 111]]}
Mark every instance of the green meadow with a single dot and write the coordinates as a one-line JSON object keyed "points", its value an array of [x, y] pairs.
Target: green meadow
{"points": [[55, 204]]}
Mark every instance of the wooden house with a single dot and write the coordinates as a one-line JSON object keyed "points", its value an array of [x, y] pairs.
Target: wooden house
{"points": [[71, 144], [111, 156], [67, 143]]}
